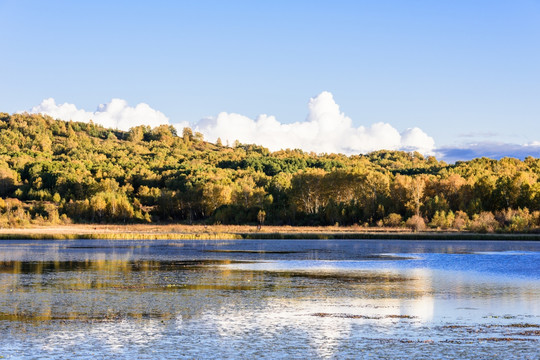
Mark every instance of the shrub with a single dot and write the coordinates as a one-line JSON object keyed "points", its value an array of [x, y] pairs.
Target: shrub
{"points": [[393, 220], [461, 220], [438, 220], [416, 223], [484, 222]]}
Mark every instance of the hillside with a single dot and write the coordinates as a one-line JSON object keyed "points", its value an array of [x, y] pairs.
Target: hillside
{"points": [[54, 172]]}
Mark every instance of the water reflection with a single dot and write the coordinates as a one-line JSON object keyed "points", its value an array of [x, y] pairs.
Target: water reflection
{"points": [[134, 300], [114, 336]]}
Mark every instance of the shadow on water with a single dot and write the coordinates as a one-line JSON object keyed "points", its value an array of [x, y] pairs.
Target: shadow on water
{"points": [[39, 267], [253, 252]]}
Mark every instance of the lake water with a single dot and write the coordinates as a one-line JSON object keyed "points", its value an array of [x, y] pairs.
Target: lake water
{"points": [[292, 299]]}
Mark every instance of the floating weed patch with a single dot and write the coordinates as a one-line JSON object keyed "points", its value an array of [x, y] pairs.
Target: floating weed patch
{"points": [[80, 317], [359, 278], [525, 325], [346, 316], [500, 317], [400, 317], [355, 316], [489, 326], [504, 339], [529, 333]]}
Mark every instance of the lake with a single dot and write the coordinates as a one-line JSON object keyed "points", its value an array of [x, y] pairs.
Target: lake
{"points": [[269, 299]]}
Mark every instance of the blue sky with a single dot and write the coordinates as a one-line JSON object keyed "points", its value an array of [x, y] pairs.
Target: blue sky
{"points": [[467, 73]]}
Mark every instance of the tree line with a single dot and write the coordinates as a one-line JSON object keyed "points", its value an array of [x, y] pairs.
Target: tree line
{"points": [[52, 171]]}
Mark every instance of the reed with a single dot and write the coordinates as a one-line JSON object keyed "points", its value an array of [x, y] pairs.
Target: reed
{"points": [[393, 236], [237, 232], [122, 236]]}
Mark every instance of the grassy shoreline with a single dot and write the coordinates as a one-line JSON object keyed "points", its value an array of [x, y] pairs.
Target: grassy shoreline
{"points": [[238, 232]]}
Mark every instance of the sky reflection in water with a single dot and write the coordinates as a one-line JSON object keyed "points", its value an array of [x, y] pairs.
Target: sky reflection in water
{"points": [[273, 298]]}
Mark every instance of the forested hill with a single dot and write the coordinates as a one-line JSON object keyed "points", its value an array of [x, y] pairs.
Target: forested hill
{"points": [[53, 171]]}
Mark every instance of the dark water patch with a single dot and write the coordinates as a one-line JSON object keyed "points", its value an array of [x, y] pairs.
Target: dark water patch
{"points": [[104, 246], [252, 252], [386, 257], [41, 267], [198, 263]]}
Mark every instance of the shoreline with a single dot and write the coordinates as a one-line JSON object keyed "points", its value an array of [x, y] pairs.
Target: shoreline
{"points": [[239, 232]]}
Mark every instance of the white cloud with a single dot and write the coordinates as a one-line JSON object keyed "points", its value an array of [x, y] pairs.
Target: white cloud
{"points": [[115, 114], [325, 129], [416, 139]]}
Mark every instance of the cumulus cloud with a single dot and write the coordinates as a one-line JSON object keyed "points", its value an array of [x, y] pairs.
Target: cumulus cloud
{"points": [[326, 129], [115, 114]]}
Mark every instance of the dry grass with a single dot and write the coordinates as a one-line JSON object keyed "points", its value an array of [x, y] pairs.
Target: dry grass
{"points": [[151, 229], [184, 232]]}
